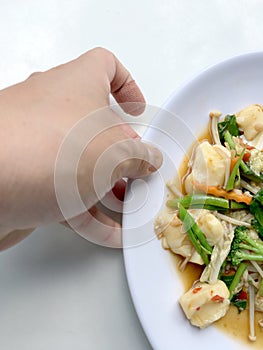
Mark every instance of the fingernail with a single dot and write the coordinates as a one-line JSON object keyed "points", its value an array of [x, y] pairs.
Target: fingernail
{"points": [[155, 158], [152, 169]]}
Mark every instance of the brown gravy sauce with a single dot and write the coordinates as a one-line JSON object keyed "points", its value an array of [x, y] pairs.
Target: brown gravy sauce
{"points": [[233, 323]]}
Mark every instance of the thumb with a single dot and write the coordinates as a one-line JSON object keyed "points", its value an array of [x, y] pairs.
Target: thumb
{"points": [[127, 158], [137, 159]]}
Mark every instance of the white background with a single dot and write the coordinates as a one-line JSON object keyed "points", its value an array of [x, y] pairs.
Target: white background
{"points": [[58, 291]]}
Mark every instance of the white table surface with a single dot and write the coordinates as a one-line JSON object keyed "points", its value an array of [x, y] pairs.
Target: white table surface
{"points": [[58, 291]]}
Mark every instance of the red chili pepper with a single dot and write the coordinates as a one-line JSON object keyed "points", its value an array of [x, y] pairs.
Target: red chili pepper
{"points": [[217, 298], [196, 290], [246, 156], [248, 147], [242, 295]]}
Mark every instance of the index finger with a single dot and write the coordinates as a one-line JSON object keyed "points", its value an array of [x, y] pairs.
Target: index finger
{"points": [[123, 87]]}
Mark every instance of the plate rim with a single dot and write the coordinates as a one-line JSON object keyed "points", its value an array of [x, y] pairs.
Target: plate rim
{"points": [[166, 106]]}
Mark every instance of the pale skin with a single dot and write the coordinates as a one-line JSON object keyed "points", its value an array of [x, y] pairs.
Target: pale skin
{"points": [[35, 117]]}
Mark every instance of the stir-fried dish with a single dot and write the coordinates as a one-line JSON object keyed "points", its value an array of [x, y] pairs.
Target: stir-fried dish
{"points": [[216, 219]]}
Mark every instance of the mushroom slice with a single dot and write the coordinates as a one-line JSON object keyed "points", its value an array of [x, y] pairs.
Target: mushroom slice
{"points": [[213, 126]]}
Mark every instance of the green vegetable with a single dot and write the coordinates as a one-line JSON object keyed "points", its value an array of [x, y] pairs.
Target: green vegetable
{"points": [[228, 139], [236, 279], [248, 173], [260, 290], [240, 300], [202, 201], [238, 178], [257, 227], [229, 124], [244, 248], [227, 279], [234, 173], [195, 234], [256, 207], [235, 205]]}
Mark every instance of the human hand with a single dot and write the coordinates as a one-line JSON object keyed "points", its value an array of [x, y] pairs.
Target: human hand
{"points": [[57, 130]]}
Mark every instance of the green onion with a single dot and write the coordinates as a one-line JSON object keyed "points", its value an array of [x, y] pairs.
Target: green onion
{"points": [[236, 205], [229, 140], [200, 200], [260, 291], [195, 234], [239, 273], [232, 177]]}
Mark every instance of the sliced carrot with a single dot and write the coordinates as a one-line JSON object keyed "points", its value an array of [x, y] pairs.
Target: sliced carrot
{"points": [[233, 163], [220, 192]]}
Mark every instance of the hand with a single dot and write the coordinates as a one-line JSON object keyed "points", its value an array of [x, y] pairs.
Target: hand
{"points": [[57, 131]]}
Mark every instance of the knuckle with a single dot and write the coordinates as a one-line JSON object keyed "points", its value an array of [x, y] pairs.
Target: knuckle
{"points": [[106, 56], [34, 74], [100, 50], [101, 53], [98, 55]]}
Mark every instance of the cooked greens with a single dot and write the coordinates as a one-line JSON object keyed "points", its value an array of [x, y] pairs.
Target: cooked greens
{"points": [[228, 124]]}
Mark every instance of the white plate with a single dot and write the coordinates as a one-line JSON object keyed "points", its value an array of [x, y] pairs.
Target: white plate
{"points": [[154, 284]]}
